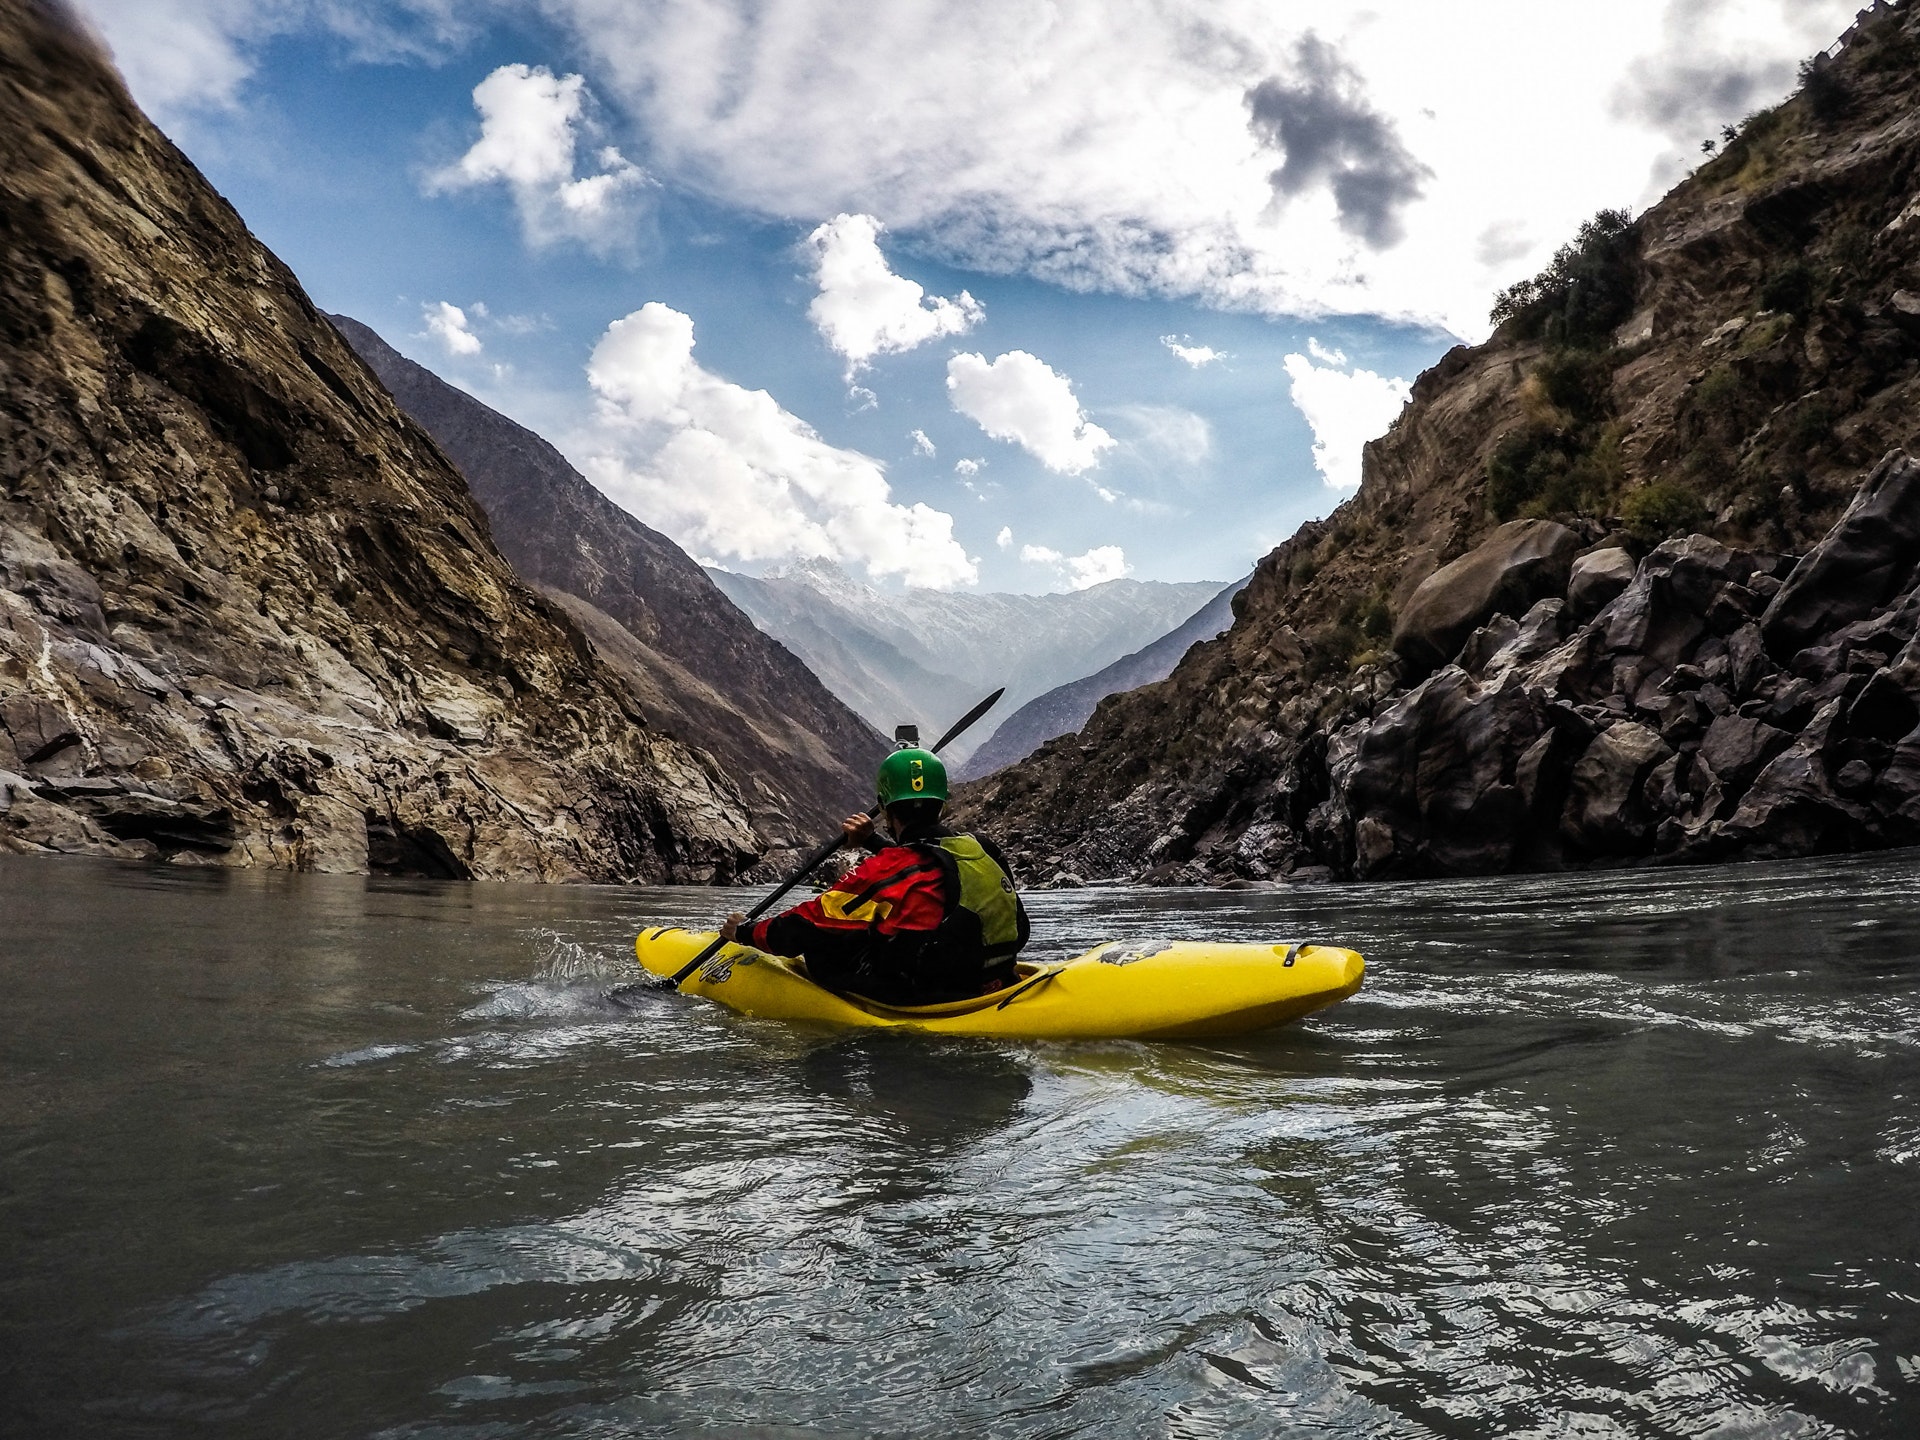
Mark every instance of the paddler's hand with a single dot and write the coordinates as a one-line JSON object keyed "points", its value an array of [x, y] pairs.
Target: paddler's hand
{"points": [[730, 927], [857, 830]]}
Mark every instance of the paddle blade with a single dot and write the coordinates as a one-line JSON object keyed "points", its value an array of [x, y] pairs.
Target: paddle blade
{"points": [[961, 725]]}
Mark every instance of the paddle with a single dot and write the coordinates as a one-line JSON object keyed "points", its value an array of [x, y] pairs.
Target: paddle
{"points": [[807, 867]]}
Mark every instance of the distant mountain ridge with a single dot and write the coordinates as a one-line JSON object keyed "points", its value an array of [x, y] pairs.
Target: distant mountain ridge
{"points": [[1063, 710], [924, 656], [698, 666]]}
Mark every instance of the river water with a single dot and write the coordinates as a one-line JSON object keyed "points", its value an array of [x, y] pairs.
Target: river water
{"points": [[1630, 1154]]}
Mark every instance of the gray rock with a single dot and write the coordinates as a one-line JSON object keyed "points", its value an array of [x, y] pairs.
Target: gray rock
{"points": [[1605, 813], [1746, 658], [1868, 557], [1521, 562], [1427, 785], [1738, 748], [1661, 616], [1793, 807], [37, 726], [1597, 577], [1896, 795]]}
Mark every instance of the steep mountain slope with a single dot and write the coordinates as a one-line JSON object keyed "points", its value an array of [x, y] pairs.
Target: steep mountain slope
{"points": [[249, 614], [1733, 363], [851, 634], [699, 667], [1064, 709]]}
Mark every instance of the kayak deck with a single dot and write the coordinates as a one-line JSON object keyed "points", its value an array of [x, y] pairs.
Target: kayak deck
{"points": [[1182, 990]]}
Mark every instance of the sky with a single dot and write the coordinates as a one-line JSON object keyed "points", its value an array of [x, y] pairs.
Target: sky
{"points": [[1010, 295]]}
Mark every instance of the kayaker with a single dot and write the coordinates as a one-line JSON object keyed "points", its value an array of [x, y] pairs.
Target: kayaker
{"points": [[932, 917]]}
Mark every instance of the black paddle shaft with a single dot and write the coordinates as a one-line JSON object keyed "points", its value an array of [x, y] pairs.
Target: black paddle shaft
{"points": [[808, 866]]}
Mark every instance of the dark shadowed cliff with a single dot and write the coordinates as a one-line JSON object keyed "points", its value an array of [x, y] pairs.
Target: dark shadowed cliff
{"points": [[249, 614], [1637, 580], [694, 662]]}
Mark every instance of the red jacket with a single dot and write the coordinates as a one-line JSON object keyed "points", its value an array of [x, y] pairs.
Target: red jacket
{"points": [[878, 931], [899, 891]]}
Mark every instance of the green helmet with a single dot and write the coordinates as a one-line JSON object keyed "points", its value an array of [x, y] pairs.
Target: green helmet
{"points": [[911, 775]]}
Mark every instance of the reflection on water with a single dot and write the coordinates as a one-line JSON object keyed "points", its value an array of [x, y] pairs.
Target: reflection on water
{"points": [[1631, 1154]]}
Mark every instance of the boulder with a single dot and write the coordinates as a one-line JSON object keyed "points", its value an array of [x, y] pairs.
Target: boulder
{"points": [[1521, 562], [1867, 558], [1605, 813], [1596, 578], [1448, 780], [1738, 748], [1896, 797], [1793, 807], [1662, 615]]}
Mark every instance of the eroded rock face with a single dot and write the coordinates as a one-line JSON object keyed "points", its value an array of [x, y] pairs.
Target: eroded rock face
{"points": [[1521, 562], [249, 614], [1858, 567]]}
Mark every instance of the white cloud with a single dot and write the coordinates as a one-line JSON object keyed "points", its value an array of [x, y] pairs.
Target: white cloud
{"points": [[863, 308], [530, 126], [1133, 145], [1021, 398], [1194, 355], [1324, 355], [1169, 146], [188, 57], [1345, 408], [1166, 434], [1005, 538], [726, 471], [966, 469], [448, 324], [921, 444], [1079, 572]]}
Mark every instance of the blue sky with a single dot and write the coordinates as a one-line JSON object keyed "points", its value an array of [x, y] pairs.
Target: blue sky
{"points": [[1323, 209]]}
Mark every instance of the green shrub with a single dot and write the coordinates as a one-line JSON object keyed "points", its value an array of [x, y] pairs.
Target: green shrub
{"points": [[1579, 382], [1331, 650], [1789, 289], [1521, 466], [1810, 425], [1567, 460], [1584, 293], [1655, 512], [1827, 94], [1722, 405], [1376, 618]]}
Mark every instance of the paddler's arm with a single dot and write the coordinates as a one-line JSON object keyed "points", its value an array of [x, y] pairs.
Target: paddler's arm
{"points": [[857, 831]]}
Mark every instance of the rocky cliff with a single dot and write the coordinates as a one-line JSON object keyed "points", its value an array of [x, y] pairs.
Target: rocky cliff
{"points": [[692, 660], [249, 614], [1633, 581], [1065, 708]]}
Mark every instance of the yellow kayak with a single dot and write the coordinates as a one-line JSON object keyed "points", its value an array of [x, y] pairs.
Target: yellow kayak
{"points": [[1176, 991]]}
